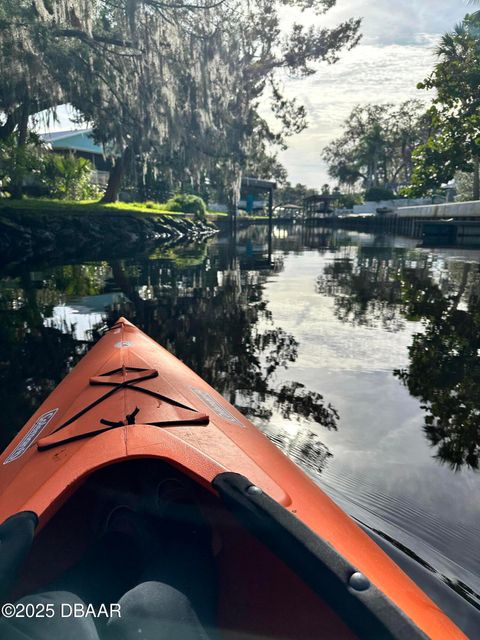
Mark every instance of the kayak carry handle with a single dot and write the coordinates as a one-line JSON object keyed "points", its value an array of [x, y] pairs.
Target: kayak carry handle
{"points": [[360, 604]]}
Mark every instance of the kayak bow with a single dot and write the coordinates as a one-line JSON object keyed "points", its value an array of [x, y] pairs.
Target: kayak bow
{"points": [[292, 564]]}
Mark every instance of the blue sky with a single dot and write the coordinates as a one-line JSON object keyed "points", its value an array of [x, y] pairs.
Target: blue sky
{"points": [[395, 54]]}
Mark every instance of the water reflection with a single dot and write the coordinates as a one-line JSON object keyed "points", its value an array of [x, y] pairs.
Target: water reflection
{"points": [[367, 289], [390, 287], [444, 370], [205, 303], [202, 302], [213, 317], [332, 311], [305, 447], [33, 357]]}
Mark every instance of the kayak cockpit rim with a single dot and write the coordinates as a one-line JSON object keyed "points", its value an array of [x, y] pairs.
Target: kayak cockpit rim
{"points": [[350, 595]]}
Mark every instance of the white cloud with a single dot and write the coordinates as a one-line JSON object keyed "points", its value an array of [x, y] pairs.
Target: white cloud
{"points": [[370, 73], [396, 53], [389, 22]]}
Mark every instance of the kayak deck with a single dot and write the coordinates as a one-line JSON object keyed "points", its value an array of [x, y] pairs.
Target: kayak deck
{"points": [[130, 405]]}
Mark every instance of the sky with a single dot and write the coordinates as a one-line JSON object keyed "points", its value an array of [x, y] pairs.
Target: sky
{"points": [[396, 52]]}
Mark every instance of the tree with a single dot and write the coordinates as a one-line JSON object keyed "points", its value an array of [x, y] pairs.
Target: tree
{"points": [[290, 194], [69, 177], [17, 162], [261, 52], [377, 145], [454, 114], [165, 83]]}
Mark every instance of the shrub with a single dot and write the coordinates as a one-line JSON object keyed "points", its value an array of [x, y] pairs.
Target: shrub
{"points": [[69, 177], [154, 206], [185, 203], [20, 165], [349, 200], [376, 194]]}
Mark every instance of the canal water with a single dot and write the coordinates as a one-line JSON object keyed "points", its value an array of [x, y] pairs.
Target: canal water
{"points": [[358, 355]]}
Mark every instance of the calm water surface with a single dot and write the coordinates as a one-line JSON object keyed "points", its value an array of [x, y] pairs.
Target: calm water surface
{"points": [[358, 355]]}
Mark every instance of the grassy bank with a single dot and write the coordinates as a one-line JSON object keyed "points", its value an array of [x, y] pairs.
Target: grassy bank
{"points": [[31, 205], [39, 229]]}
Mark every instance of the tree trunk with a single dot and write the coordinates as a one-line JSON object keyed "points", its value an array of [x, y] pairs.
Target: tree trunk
{"points": [[476, 179], [29, 107], [116, 177], [8, 128], [462, 287], [16, 189]]}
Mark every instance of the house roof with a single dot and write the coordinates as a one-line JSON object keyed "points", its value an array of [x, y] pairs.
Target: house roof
{"points": [[256, 183], [76, 140]]}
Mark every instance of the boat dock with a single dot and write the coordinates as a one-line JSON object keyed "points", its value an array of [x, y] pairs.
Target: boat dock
{"points": [[449, 224]]}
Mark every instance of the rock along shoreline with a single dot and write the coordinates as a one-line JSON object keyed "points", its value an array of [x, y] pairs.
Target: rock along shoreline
{"points": [[31, 234]]}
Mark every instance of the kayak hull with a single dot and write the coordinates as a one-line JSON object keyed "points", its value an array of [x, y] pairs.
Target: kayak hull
{"points": [[129, 400]]}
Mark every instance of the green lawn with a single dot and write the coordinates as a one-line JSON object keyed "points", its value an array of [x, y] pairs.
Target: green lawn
{"points": [[89, 206]]}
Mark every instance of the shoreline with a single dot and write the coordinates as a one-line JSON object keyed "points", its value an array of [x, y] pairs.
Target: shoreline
{"points": [[41, 231]]}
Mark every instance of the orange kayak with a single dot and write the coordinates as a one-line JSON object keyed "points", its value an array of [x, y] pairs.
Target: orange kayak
{"points": [[289, 562]]}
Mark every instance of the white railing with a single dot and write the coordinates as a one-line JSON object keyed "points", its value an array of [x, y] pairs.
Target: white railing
{"points": [[450, 210]]}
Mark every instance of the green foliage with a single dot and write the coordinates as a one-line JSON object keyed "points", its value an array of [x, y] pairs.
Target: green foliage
{"points": [[34, 169], [349, 200], [435, 163], [152, 205], [376, 194], [186, 203], [455, 113], [197, 73], [19, 163], [377, 145], [293, 194], [69, 177]]}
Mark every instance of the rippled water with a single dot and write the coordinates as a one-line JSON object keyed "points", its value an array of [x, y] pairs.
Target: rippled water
{"points": [[357, 355]]}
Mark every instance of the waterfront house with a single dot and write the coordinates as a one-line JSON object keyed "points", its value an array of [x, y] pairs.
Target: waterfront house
{"points": [[81, 143]]}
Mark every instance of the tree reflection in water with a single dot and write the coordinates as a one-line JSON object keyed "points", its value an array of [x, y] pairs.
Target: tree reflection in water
{"points": [[216, 320], [444, 369], [34, 357], [199, 301], [305, 447], [366, 289]]}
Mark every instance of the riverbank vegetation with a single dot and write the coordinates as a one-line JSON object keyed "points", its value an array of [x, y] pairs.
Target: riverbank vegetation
{"points": [[33, 169], [377, 145], [417, 149], [38, 229], [171, 89], [455, 112], [46, 205]]}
